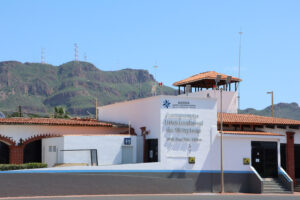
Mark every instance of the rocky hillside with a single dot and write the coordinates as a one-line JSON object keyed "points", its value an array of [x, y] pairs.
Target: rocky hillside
{"points": [[283, 110], [73, 85]]}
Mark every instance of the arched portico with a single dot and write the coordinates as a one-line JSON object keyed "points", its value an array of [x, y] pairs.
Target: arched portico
{"points": [[5, 145], [28, 150], [32, 148], [4, 153]]}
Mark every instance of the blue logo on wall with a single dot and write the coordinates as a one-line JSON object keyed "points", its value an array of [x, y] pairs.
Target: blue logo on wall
{"points": [[166, 104]]}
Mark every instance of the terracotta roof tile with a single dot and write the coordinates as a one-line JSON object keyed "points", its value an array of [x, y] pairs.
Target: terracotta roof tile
{"points": [[251, 133], [233, 118], [211, 75], [55, 122]]}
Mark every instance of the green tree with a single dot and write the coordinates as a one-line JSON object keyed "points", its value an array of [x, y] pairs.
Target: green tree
{"points": [[60, 112]]}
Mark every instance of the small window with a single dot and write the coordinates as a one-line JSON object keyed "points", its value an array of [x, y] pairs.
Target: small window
{"points": [[54, 148], [50, 148]]}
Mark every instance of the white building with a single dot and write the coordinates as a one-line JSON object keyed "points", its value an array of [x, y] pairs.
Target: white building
{"points": [[182, 133], [59, 141], [173, 137]]}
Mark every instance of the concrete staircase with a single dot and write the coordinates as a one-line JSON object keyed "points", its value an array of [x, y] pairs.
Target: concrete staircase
{"points": [[297, 186], [273, 185]]}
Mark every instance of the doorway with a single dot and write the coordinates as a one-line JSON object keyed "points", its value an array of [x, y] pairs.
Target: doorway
{"points": [[152, 153], [297, 160], [265, 158], [33, 152], [127, 154], [94, 157], [4, 153]]}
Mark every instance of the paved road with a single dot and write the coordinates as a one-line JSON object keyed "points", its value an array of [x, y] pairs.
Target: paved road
{"points": [[168, 197]]}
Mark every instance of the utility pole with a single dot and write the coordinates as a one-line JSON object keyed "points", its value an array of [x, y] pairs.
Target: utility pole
{"points": [[272, 94], [96, 104], [20, 111], [221, 132], [155, 85], [240, 51], [217, 80]]}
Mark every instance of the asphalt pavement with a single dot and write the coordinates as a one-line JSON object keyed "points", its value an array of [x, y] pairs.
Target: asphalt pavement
{"points": [[168, 197]]}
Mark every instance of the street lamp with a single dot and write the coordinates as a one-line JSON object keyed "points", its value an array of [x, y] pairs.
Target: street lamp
{"points": [[272, 93], [217, 80]]}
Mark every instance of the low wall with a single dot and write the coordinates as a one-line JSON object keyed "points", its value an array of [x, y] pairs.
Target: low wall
{"points": [[93, 182]]}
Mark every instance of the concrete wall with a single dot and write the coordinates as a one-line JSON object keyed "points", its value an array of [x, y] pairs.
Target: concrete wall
{"points": [[54, 184]]}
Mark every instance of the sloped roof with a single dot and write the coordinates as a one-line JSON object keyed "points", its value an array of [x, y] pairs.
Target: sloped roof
{"points": [[57, 122], [210, 75], [251, 133], [233, 118]]}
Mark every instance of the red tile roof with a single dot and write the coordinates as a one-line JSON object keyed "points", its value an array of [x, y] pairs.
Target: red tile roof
{"points": [[250, 119], [55, 122], [251, 133], [210, 75]]}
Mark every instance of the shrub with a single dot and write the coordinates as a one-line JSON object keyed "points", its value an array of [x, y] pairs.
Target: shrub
{"points": [[6, 167]]}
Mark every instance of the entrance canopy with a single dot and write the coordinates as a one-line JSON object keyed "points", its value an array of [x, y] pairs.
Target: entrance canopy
{"points": [[206, 80]]}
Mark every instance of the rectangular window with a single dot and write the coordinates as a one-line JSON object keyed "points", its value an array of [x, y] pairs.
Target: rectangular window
{"points": [[54, 148], [50, 148]]}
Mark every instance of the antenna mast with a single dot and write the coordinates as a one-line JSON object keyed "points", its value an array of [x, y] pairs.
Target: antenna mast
{"points": [[76, 51], [240, 50], [85, 57], [42, 56]]}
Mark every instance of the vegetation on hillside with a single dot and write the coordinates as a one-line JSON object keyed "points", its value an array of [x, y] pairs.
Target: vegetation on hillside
{"points": [[282, 110], [38, 88]]}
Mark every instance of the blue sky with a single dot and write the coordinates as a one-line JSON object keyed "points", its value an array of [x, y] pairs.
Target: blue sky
{"points": [[182, 37]]}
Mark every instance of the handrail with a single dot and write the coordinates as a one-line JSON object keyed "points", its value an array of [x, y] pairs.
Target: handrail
{"points": [[285, 174], [256, 173]]}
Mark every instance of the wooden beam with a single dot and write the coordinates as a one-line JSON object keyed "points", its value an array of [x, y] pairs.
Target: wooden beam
{"points": [[270, 126], [281, 126], [294, 127]]}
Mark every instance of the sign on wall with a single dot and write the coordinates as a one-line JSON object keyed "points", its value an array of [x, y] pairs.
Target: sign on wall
{"points": [[246, 161], [182, 124], [170, 103], [127, 141], [192, 160]]}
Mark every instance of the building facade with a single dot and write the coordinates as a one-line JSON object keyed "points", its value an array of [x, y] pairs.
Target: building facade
{"points": [[170, 138]]}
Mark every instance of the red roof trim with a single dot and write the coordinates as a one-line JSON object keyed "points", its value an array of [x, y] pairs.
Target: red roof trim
{"points": [[257, 133], [250, 119], [54, 122]]}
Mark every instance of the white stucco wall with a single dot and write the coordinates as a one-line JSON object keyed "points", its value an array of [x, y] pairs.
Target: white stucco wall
{"points": [[283, 132], [151, 113], [16, 132], [51, 158], [230, 102], [179, 138], [139, 113], [76, 149], [237, 147]]}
